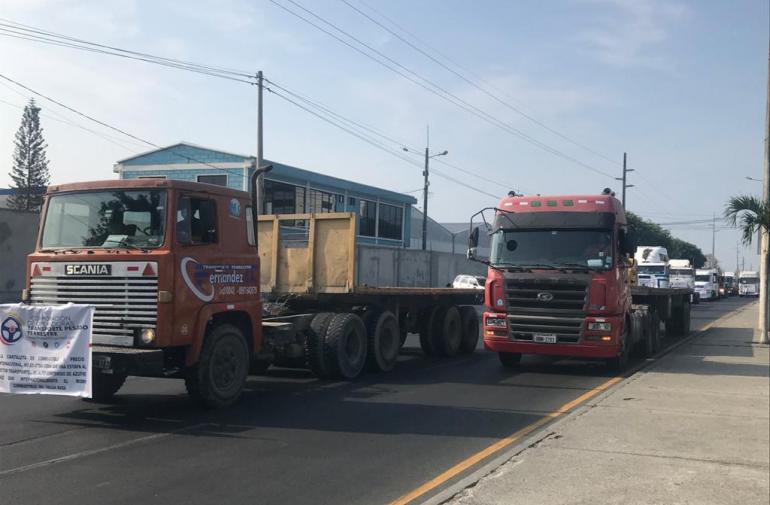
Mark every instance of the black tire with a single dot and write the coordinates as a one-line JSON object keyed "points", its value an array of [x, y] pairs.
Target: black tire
{"points": [[620, 362], [655, 329], [345, 345], [218, 378], [448, 332], [509, 359], [470, 324], [314, 345], [638, 334], [383, 341], [684, 324], [104, 386], [427, 325]]}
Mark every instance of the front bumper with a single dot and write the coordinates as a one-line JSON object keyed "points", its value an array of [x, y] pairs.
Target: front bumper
{"points": [[583, 350], [116, 360]]}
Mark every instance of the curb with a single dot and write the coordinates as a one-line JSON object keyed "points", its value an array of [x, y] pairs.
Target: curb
{"points": [[549, 429]]}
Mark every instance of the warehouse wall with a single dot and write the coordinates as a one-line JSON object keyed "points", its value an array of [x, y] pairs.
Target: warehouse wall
{"points": [[18, 232]]}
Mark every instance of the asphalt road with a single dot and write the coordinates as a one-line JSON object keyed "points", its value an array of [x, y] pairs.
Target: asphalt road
{"points": [[292, 440]]}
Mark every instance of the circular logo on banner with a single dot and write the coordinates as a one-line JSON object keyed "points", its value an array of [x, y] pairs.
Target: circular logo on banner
{"points": [[10, 330], [235, 207]]}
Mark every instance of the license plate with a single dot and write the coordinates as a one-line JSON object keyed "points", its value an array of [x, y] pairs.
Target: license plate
{"points": [[101, 362], [544, 339]]}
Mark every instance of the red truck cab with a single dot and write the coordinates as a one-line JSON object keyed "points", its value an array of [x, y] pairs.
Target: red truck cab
{"points": [[558, 279]]}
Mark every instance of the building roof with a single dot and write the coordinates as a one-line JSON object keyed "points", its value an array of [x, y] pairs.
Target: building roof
{"points": [[187, 153]]}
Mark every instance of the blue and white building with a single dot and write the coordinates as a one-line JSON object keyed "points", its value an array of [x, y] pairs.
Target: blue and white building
{"points": [[384, 217]]}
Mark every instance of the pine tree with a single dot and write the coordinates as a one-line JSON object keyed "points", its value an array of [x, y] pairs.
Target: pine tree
{"points": [[29, 173]]}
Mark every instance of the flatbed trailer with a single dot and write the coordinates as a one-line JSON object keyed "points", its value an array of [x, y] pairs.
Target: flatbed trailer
{"points": [[310, 275]]}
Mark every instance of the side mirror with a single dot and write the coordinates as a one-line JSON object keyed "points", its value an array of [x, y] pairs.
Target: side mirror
{"points": [[627, 245], [473, 243]]}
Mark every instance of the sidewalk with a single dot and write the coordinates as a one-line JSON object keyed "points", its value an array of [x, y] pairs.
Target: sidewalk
{"points": [[694, 428]]}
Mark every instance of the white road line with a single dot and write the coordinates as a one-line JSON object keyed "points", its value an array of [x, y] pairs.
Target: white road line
{"points": [[91, 452]]}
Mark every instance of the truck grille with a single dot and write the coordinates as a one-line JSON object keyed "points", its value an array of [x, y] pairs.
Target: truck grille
{"points": [[123, 304], [548, 306]]}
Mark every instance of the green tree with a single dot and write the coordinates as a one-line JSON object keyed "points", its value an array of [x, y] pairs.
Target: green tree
{"points": [[749, 214], [29, 173]]}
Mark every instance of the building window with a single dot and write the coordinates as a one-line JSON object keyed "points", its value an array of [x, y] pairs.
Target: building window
{"points": [[219, 180], [283, 198], [367, 218], [391, 222], [321, 201]]}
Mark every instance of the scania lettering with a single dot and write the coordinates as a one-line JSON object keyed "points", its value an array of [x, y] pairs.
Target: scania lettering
{"points": [[558, 283], [178, 283]]}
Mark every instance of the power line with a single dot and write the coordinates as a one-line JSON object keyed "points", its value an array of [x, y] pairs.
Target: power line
{"points": [[429, 85], [478, 86], [122, 132]]}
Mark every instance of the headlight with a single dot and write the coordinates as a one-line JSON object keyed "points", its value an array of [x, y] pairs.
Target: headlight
{"points": [[599, 326], [496, 321], [147, 335]]}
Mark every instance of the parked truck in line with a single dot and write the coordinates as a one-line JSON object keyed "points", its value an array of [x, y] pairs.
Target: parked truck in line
{"points": [[682, 275], [652, 266], [748, 283], [558, 283], [707, 283], [730, 283], [182, 290]]}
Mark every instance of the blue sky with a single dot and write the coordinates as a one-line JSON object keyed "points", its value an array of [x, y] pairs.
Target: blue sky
{"points": [[678, 85]]}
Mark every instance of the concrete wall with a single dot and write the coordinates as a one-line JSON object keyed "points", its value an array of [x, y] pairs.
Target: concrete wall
{"points": [[384, 267], [18, 232]]}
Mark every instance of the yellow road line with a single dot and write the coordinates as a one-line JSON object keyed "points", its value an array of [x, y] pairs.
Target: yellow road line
{"points": [[510, 439]]}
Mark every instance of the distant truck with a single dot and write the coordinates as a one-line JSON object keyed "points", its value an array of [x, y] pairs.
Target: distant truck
{"points": [[707, 283], [681, 274], [748, 283], [181, 289], [652, 268], [730, 284], [558, 283]]}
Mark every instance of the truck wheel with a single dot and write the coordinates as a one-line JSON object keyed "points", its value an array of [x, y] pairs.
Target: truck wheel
{"points": [[218, 378], [470, 325], [620, 362], [672, 325], [104, 386], [638, 333], [345, 345], [509, 359], [314, 345], [427, 318], [655, 331], [684, 324], [448, 332], [383, 341]]}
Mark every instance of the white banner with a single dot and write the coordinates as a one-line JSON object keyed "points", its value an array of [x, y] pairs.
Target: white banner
{"points": [[46, 349]]}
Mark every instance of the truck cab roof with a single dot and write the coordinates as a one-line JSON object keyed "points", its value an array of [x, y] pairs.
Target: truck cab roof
{"points": [[129, 184], [565, 204]]}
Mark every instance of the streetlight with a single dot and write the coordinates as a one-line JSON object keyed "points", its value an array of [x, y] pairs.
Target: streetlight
{"points": [[428, 156], [753, 179]]}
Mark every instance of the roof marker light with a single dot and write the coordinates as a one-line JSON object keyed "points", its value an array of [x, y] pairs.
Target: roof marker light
{"points": [[536, 203], [551, 203], [523, 204], [582, 201], [567, 203]]}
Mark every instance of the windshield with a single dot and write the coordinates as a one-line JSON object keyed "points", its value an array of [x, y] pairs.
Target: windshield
{"points": [[587, 248], [750, 280], [652, 269], [105, 219], [684, 272], [703, 277]]}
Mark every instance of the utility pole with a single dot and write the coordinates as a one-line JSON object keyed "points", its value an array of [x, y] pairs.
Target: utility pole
{"points": [[426, 185], [260, 147], [764, 259], [713, 240], [624, 178]]}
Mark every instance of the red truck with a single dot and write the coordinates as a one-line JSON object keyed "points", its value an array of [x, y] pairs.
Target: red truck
{"points": [[559, 283], [181, 289]]}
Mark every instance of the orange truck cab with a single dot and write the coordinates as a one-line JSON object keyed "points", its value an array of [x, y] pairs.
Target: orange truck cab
{"points": [[165, 263], [559, 282]]}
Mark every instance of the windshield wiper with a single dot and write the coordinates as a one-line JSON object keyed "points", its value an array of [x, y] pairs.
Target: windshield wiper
{"points": [[123, 243], [575, 265]]}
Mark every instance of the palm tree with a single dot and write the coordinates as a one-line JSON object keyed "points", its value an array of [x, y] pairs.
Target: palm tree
{"points": [[751, 214]]}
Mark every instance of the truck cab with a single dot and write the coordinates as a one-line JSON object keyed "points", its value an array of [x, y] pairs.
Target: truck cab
{"points": [[707, 283], [652, 266], [748, 283], [168, 265], [558, 278], [682, 275]]}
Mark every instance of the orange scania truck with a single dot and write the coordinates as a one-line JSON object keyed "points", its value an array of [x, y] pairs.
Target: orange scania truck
{"points": [[181, 289], [559, 283]]}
